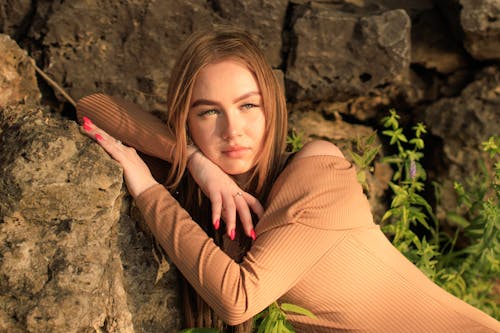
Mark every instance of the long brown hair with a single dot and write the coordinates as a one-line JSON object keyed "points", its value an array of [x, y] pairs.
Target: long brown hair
{"points": [[200, 50]]}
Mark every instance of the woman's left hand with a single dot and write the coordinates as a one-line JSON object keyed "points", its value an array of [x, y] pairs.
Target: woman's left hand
{"points": [[137, 176]]}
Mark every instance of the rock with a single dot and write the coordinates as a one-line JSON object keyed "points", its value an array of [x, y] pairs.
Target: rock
{"points": [[132, 51], [17, 76], [71, 258], [266, 26], [432, 45], [463, 123], [14, 16], [346, 51], [480, 21]]}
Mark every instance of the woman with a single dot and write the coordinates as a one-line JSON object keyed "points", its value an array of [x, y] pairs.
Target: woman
{"points": [[315, 245]]}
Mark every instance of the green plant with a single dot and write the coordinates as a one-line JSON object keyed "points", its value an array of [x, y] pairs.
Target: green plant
{"points": [[363, 158], [470, 272], [294, 141], [408, 207], [273, 318]]}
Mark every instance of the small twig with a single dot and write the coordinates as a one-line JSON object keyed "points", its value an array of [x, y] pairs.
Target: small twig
{"points": [[53, 84]]}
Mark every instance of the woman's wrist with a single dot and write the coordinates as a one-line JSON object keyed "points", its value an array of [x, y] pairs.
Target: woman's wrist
{"points": [[192, 150]]}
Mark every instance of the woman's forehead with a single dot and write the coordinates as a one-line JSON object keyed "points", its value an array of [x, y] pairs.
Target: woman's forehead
{"points": [[225, 77]]}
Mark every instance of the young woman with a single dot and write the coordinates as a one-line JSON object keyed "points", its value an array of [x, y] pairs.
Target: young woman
{"points": [[316, 244]]}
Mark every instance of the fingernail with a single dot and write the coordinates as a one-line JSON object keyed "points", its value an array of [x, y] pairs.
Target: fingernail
{"points": [[87, 121], [86, 127], [217, 224], [233, 233], [99, 137], [252, 234]]}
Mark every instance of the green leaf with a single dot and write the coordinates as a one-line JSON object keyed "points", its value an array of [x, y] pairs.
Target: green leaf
{"points": [[371, 139], [361, 176], [457, 219], [387, 215], [297, 309], [391, 160], [370, 155], [357, 159]]}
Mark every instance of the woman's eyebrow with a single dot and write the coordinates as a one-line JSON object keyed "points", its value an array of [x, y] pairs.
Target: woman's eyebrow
{"points": [[248, 94], [202, 101]]}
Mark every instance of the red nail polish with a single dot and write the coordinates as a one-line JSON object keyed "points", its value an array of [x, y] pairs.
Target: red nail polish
{"points": [[86, 127], [87, 121], [233, 233], [99, 137], [252, 234], [217, 224]]}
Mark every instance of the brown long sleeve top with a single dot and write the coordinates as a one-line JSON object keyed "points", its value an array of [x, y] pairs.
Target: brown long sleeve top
{"points": [[316, 246]]}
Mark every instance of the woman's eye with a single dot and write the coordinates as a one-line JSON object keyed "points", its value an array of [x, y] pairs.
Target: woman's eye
{"points": [[208, 112], [248, 106]]}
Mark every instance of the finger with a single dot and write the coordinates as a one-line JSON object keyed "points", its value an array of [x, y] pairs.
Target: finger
{"points": [[216, 201], [112, 146], [91, 130], [88, 127], [254, 204], [245, 216], [229, 215]]}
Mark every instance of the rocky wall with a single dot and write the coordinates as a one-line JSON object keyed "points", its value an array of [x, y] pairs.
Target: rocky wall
{"points": [[72, 259]]}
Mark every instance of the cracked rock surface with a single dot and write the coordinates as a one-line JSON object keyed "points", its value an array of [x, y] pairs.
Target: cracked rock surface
{"points": [[71, 257]]}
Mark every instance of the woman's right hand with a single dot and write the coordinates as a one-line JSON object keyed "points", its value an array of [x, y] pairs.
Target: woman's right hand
{"points": [[225, 195]]}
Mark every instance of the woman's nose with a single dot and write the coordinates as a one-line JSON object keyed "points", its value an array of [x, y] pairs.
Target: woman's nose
{"points": [[232, 126]]}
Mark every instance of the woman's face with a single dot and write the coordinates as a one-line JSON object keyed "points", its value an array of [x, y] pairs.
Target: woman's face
{"points": [[226, 118]]}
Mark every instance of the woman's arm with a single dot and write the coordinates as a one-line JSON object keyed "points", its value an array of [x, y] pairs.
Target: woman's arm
{"points": [[292, 237], [140, 129], [129, 123]]}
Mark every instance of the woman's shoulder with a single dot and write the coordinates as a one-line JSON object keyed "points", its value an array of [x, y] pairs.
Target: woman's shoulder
{"points": [[318, 163], [318, 148], [317, 176], [320, 155]]}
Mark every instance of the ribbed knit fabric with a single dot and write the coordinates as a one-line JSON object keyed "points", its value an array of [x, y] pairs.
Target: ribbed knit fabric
{"points": [[134, 126], [316, 247]]}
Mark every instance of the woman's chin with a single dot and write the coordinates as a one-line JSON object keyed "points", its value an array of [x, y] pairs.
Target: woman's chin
{"points": [[236, 173]]}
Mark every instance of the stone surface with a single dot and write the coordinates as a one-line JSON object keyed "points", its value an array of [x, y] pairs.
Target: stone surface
{"points": [[463, 123], [14, 16], [432, 46], [346, 51], [71, 257], [17, 75], [480, 21]]}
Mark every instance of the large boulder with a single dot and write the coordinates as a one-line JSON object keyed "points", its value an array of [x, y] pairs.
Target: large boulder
{"points": [[339, 51], [463, 123], [15, 16], [17, 75], [71, 258], [480, 21]]}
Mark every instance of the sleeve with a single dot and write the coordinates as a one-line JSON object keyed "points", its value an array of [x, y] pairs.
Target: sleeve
{"points": [[129, 123], [282, 254]]}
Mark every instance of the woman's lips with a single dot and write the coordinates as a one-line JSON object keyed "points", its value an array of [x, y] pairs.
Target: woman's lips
{"points": [[236, 151]]}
